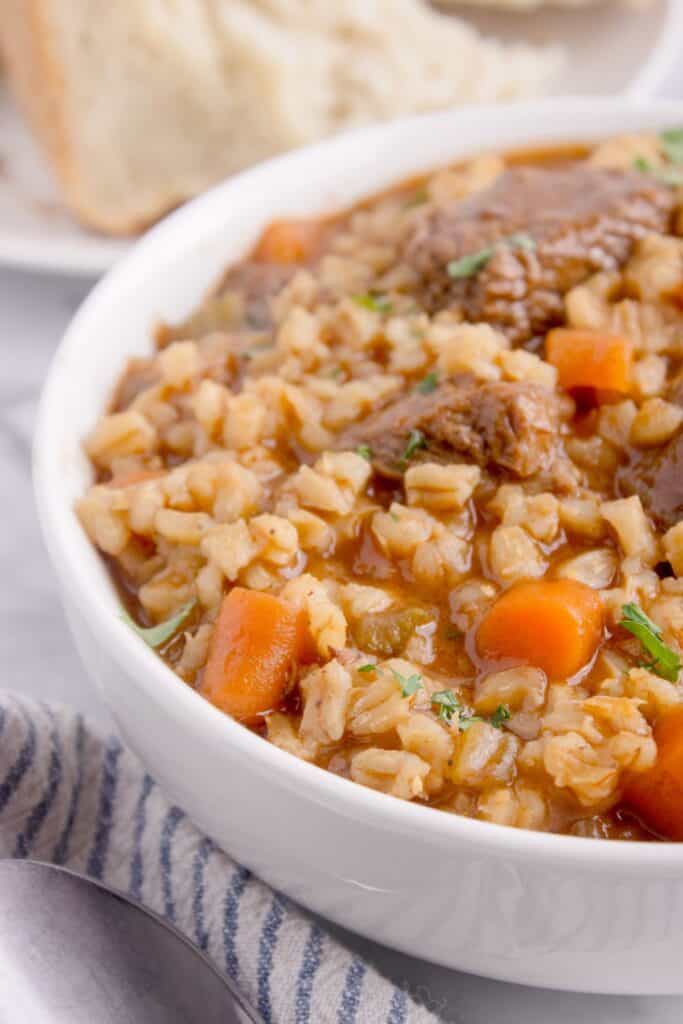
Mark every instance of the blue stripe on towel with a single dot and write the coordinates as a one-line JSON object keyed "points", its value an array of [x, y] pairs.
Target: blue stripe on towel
{"points": [[24, 760], [310, 962], [137, 870], [398, 1011], [40, 811], [267, 944], [231, 917], [201, 936], [174, 816], [61, 850], [351, 995], [105, 812]]}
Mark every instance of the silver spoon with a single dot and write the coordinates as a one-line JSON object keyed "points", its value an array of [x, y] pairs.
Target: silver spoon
{"points": [[74, 952]]}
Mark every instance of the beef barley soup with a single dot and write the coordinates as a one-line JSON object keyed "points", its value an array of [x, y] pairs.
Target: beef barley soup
{"points": [[405, 494]]}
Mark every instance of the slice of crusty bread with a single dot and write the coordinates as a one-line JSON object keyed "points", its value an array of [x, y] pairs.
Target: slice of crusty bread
{"points": [[143, 103]]}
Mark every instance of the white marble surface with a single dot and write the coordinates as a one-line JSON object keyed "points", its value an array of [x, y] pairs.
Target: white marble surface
{"points": [[38, 657]]}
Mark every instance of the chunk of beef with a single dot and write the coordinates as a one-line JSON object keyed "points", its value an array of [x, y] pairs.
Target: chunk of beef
{"points": [[258, 283], [513, 426], [656, 475], [581, 218]]}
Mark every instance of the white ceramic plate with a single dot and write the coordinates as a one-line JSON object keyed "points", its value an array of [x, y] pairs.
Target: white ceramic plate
{"points": [[610, 51]]}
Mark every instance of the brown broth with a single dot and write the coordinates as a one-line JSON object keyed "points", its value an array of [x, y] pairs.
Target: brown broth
{"points": [[360, 558]]}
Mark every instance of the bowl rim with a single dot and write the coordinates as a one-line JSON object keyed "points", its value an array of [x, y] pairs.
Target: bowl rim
{"points": [[60, 529]]}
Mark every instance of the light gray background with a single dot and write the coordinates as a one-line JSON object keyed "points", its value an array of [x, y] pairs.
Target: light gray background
{"points": [[37, 656]]}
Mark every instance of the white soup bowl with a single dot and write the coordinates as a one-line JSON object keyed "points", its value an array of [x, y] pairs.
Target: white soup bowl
{"points": [[549, 910]]}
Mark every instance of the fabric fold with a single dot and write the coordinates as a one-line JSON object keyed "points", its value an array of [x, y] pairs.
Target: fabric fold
{"points": [[73, 797]]}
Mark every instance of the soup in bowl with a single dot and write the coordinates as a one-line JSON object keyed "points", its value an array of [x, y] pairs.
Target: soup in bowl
{"points": [[397, 494]]}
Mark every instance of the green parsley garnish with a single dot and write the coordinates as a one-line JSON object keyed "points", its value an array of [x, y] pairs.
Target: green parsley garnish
{"points": [[500, 715], [465, 721], [370, 667], [453, 633], [409, 684], [365, 451], [377, 303], [447, 703], [641, 164], [157, 636], [470, 265], [667, 175], [521, 241], [418, 197], [672, 144], [428, 384], [416, 440], [665, 661]]}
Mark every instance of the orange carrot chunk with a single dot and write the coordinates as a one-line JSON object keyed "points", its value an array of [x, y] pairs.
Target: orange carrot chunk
{"points": [[656, 795], [256, 644], [289, 241], [590, 359], [555, 625]]}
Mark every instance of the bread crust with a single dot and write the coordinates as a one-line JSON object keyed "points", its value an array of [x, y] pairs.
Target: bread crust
{"points": [[140, 105], [36, 78]]}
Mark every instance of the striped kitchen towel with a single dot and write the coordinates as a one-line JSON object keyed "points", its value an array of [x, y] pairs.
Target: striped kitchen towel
{"points": [[70, 796]]}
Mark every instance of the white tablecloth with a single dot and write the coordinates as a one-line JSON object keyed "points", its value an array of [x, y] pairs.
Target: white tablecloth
{"points": [[37, 656]]}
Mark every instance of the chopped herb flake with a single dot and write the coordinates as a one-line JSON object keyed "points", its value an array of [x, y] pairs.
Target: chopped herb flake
{"points": [[367, 668], [453, 633], [418, 197], [641, 164], [409, 684], [470, 265], [665, 661], [377, 303], [447, 704], [465, 721], [157, 636], [672, 144], [428, 384], [521, 241], [500, 715], [416, 441], [365, 451], [667, 175]]}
